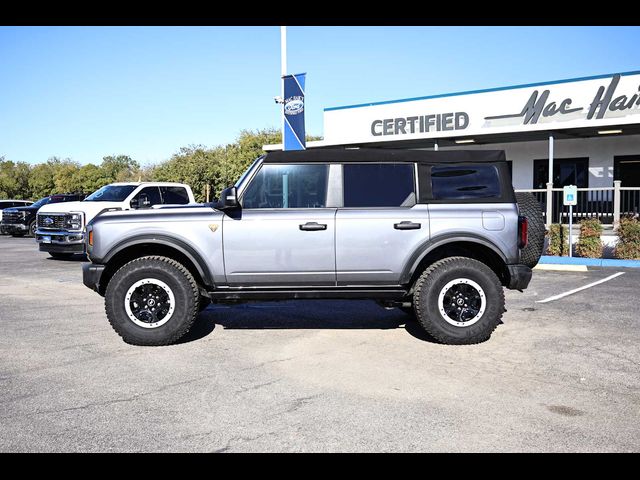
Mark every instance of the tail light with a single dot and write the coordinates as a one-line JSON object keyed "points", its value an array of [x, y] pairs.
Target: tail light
{"points": [[523, 226]]}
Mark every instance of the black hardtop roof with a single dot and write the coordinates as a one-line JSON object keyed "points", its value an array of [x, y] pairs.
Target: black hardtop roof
{"points": [[338, 155]]}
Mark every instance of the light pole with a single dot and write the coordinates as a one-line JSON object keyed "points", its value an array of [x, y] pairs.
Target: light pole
{"points": [[283, 70]]}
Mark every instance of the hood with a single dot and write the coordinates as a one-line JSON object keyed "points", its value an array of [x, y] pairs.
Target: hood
{"points": [[90, 209], [28, 208]]}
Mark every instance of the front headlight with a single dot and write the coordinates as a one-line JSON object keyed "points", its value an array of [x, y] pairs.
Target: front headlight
{"points": [[24, 214], [73, 221]]}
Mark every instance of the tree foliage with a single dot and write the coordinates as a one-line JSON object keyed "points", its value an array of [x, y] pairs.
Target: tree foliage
{"points": [[195, 165]]}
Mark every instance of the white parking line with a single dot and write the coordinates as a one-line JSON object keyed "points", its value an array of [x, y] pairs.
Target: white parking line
{"points": [[556, 297]]}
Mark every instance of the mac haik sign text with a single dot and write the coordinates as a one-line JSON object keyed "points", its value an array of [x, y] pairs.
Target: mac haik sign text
{"points": [[595, 102]]}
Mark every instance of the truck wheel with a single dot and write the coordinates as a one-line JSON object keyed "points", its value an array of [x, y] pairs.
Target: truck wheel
{"points": [[152, 301], [32, 229], [459, 301], [61, 255], [530, 208]]}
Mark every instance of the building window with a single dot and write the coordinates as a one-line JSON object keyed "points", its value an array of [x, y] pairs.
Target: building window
{"points": [[627, 169], [379, 185], [566, 171]]}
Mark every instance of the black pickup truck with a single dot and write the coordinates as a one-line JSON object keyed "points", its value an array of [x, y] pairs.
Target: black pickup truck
{"points": [[20, 221]]}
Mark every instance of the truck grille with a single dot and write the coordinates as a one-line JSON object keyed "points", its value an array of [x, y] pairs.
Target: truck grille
{"points": [[51, 221], [11, 217]]}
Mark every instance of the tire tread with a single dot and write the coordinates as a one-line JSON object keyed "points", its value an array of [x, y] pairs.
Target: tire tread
{"points": [[194, 291], [421, 315]]}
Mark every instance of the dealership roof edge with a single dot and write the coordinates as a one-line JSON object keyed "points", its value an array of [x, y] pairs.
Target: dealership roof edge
{"points": [[486, 90]]}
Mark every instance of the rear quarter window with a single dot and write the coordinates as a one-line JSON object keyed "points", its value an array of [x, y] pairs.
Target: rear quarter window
{"points": [[174, 195], [459, 182]]}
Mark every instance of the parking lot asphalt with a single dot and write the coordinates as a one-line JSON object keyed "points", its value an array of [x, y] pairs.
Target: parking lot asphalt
{"points": [[316, 375]]}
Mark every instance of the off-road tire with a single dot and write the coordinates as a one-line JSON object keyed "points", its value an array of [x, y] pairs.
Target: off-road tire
{"points": [[426, 300], [176, 277], [61, 255], [530, 208]]}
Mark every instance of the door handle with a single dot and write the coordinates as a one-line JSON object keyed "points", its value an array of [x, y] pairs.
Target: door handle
{"points": [[406, 225], [313, 226]]}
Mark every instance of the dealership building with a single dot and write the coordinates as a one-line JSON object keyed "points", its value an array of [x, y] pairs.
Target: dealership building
{"points": [[582, 131]]}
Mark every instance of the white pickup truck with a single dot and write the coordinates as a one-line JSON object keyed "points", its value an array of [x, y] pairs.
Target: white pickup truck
{"points": [[61, 226]]}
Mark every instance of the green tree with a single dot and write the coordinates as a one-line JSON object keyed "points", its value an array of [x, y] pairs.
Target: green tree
{"points": [[14, 179], [41, 180], [120, 168], [88, 179]]}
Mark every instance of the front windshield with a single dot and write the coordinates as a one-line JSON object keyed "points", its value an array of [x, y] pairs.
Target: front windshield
{"points": [[41, 202], [111, 193]]}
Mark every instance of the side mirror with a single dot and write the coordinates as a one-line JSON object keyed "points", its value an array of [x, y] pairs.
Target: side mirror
{"points": [[228, 199], [141, 202]]}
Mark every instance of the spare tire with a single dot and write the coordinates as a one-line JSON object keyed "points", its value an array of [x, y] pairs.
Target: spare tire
{"points": [[530, 208]]}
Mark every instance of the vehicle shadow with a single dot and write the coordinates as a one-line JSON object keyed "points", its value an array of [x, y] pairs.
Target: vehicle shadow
{"points": [[304, 315]]}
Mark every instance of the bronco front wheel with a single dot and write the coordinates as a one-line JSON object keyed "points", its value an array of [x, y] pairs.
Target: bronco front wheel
{"points": [[152, 301]]}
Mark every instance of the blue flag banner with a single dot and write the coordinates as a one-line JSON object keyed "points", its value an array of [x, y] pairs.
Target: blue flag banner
{"points": [[294, 112]]}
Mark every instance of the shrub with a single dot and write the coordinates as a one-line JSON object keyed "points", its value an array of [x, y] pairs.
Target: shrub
{"points": [[628, 246], [558, 240], [590, 244]]}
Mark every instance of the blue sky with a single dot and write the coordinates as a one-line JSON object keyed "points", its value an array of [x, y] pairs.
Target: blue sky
{"points": [[87, 92]]}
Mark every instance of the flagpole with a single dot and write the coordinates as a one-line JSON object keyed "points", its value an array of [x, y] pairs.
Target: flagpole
{"points": [[283, 72]]}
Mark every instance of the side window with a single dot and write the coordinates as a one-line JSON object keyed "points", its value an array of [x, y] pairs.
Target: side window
{"points": [[152, 194], [6, 205], [466, 181], [379, 185], [288, 186], [174, 195]]}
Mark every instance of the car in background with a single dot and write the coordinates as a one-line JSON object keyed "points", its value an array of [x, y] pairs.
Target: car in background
{"points": [[21, 220], [9, 204], [60, 228]]}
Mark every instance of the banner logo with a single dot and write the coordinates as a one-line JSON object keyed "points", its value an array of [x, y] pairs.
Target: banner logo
{"points": [[294, 105]]}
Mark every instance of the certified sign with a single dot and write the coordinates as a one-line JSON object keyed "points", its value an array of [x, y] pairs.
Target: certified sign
{"points": [[570, 195]]}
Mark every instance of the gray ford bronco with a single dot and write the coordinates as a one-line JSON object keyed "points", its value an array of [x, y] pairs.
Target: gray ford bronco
{"points": [[437, 234]]}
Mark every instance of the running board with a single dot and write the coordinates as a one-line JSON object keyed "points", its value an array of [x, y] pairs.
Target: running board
{"points": [[329, 293]]}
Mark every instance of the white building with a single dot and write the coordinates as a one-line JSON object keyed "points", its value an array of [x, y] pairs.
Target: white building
{"points": [[583, 131]]}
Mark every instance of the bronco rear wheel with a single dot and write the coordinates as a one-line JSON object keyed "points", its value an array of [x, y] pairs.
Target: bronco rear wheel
{"points": [[152, 301], [459, 301]]}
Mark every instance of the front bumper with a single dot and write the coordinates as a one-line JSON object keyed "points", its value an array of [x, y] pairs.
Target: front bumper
{"points": [[14, 227], [60, 241], [91, 274], [519, 277]]}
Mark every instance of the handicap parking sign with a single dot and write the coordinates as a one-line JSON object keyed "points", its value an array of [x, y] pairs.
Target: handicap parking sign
{"points": [[570, 195]]}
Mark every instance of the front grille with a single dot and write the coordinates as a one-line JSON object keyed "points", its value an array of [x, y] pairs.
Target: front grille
{"points": [[56, 221], [11, 217]]}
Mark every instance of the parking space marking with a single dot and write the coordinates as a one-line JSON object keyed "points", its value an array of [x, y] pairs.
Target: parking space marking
{"points": [[575, 290]]}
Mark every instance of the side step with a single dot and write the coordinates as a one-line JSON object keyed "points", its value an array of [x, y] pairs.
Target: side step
{"points": [[328, 293]]}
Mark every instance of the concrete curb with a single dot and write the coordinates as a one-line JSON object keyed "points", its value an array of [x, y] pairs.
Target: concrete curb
{"points": [[591, 262], [560, 268]]}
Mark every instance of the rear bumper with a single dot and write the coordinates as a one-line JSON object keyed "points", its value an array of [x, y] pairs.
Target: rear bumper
{"points": [[519, 277], [91, 274]]}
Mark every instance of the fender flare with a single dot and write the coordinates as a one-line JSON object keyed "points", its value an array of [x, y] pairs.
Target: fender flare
{"points": [[167, 241], [428, 246]]}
